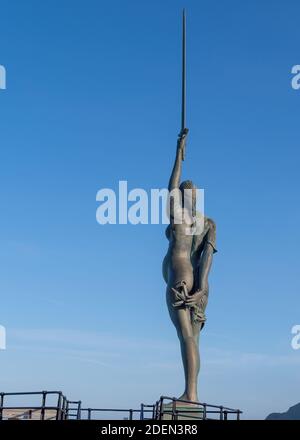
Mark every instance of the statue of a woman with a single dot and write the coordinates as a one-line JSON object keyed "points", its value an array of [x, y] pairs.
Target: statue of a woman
{"points": [[185, 269]]}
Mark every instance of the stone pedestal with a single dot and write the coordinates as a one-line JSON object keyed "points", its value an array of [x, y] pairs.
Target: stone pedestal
{"points": [[183, 411]]}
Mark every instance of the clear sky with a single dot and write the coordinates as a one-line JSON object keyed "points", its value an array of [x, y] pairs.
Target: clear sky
{"points": [[93, 97]]}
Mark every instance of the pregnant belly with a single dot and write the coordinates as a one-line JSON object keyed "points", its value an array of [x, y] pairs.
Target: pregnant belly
{"points": [[180, 269]]}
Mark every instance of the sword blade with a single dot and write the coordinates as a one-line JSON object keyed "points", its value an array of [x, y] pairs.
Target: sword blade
{"points": [[183, 97]]}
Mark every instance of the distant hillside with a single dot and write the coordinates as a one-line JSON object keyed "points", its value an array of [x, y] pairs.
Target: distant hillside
{"points": [[292, 414]]}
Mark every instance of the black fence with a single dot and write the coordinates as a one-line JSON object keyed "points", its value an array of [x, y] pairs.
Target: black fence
{"points": [[145, 412], [43, 408], [53, 405], [170, 408]]}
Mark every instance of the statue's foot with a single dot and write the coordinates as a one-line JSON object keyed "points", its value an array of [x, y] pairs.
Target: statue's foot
{"points": [[189, 398]]}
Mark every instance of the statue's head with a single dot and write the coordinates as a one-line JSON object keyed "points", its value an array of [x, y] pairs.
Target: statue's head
{"points": [[189, 197]]}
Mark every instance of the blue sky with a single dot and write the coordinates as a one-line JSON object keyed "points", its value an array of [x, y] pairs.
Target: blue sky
{"points": [[93, 96]]}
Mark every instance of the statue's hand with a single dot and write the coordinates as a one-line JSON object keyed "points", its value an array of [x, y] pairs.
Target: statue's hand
{"points": [[180, 296], [183, 133], [198, 298], [181, 142]]}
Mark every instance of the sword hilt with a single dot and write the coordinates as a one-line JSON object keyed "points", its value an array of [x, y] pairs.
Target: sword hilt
{"points": [[182, 141]]}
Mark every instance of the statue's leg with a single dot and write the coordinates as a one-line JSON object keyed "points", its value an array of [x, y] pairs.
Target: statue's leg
{"points": [[197, 326], [181, 319]]}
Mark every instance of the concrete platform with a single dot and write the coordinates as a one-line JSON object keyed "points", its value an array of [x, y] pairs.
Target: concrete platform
{"points": [[184, 411], [28, 414]]}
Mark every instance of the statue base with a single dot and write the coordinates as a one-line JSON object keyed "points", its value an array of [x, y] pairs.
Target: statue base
{"points": [[181, 411]]}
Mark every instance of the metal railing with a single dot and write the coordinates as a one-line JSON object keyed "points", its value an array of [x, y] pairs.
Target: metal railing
{"points": [[64, 409], [73, 409], [166, 408], [180, 409], [125, 414], [43, 411]]}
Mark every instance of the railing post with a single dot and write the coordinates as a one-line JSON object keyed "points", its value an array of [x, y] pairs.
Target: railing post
{"points": [[67, 409], [204, 411], [225, 415], [44, 393], [64, 407], [130, 414], [79, 410], [155, 410], [58, 412], [161, 401], [238, 414], [142, 412], [89, 413], [174, 409], [221, 412], [1, 405]]}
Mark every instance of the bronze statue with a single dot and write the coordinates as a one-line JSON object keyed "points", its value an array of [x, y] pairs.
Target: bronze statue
{"points": [[187, 263]]}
